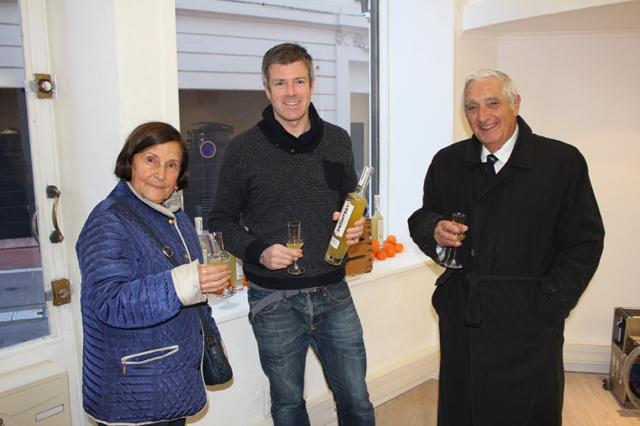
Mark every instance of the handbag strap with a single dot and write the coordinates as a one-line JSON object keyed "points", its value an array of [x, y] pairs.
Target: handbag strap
{"points": [[209, 334], [165, 249], [169, 253]]}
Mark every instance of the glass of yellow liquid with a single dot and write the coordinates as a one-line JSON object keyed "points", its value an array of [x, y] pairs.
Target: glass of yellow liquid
{"points": [[294, 243], [218, 256], [450, 261]]}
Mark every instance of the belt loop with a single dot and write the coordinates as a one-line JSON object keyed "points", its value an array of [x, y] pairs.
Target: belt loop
{"points": [[284, 296]]}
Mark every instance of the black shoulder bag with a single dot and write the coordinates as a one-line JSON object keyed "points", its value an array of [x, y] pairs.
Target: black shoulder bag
{"points": [[216, 369]]}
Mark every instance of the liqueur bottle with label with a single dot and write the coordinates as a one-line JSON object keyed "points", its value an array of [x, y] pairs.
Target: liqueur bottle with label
{"points": [[377, 223], [351, 212], [203, 245], [237, 273]]}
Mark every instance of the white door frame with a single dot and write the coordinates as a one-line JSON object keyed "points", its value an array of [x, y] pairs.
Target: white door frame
{"points": [[60, 345]]}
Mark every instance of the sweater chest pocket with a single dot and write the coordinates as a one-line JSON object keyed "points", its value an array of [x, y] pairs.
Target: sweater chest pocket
{"points": [[333, 174], [147, 356]]}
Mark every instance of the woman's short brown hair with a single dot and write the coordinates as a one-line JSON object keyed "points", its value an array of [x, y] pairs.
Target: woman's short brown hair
{"points": [[145, 136]]}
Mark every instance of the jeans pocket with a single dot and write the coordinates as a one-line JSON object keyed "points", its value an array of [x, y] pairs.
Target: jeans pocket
{"points": [[339, 292], [255, 296]]}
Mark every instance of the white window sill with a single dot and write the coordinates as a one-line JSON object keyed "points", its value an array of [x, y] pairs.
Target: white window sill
{"points": [[236, 306]]}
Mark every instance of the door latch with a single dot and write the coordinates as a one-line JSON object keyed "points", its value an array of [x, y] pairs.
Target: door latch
{"points": [[60, 292], [43, 85]]}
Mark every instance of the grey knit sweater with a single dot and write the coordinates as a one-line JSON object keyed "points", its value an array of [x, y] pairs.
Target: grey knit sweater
{"points": [[269, 186]]}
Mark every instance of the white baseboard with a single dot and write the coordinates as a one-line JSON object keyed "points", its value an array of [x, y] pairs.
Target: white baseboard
{"points": [[399, 378], [587, 357]]}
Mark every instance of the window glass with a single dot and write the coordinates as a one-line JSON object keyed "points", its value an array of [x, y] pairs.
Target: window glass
{"points": [[221, 94], [23, 310]]}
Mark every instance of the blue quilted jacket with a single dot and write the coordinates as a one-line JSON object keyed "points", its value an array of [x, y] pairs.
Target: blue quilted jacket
{"points": [[142, 353]]}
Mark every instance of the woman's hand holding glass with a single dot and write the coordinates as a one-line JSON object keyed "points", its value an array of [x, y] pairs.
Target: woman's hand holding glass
{"points": [[213, 278]]}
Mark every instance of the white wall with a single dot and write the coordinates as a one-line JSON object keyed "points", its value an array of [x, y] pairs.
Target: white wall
{"points": [[578, 87], [416, 82], [582, 89]]}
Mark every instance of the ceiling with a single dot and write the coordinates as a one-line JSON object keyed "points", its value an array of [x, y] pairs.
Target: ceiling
{"points": [[615, 17]]}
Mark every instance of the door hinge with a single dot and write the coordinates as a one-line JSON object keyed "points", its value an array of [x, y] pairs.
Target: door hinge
{"points": [[43, 85], [60, 292]]}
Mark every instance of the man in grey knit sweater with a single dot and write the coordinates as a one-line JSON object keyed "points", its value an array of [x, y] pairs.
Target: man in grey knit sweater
{"points": [[293, 166]]}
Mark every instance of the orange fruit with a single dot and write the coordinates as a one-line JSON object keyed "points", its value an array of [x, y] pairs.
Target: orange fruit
{"points": [[399, 247], [390, 251], [386, 245], [391, 239], [381, 255], [375, 245]]}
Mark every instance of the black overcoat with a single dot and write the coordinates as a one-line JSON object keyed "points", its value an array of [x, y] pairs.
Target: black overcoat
{"points": [[534, 242]]}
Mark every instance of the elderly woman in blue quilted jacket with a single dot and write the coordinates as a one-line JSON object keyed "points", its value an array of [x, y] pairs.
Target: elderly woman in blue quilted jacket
{"points": [[143, 340]]}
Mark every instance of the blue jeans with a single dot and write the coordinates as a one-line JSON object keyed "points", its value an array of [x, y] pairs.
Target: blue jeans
{"points": [[325, 319]]}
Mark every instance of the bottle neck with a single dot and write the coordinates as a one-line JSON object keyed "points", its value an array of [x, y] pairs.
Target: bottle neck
{"points": [[364, 180]]}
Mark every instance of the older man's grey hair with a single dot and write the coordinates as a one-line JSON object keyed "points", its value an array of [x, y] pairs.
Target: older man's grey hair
{"points": [[509, 88]]}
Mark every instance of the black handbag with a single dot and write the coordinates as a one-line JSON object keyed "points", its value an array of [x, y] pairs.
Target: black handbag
{"points": [[215, 365], [216, 369]]}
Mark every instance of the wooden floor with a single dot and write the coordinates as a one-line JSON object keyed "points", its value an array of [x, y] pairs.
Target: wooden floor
{"points": [[586, 403]]}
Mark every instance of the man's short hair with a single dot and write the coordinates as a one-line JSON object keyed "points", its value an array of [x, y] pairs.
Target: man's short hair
{"points": [[285, 53], [145, 136], [509, 88]]}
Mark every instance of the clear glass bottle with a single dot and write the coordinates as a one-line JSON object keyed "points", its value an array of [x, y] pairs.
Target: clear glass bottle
{"points": [[203, 245], [377, 223], [352, 210]]}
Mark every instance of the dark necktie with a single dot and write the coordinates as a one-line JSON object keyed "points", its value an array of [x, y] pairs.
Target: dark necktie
{"points": [[491, 161]]}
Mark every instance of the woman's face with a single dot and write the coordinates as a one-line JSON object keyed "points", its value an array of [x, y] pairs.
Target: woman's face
{"points": [[154, 171]]}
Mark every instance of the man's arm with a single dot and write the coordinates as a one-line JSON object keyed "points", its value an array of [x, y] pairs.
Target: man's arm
{"points": [[580, 242]]}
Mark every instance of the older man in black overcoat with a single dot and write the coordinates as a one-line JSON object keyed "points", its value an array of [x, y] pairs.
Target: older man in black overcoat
{"points": [[534, 237]]}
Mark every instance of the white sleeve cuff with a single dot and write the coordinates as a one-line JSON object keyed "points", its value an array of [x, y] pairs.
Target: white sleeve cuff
{"points": [[186, 282]]}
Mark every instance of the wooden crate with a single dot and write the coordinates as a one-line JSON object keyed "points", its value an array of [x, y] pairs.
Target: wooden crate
{"points": [[360, 256]]}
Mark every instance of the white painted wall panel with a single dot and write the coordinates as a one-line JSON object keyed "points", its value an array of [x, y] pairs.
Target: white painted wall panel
{"points": [[12, 77], [221, 63], [218, 63], [10, 34], [11, 56], [9, 13], [207, 43], [219, 81], [258, 28]]}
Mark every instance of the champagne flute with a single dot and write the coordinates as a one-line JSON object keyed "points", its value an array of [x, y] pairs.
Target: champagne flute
{"points": [[450, 254], [294, 243], [218, 256]]}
